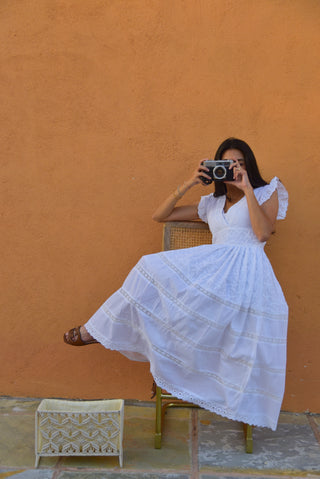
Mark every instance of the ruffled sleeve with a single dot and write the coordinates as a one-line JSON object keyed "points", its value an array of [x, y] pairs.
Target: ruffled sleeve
{"points": [[265, 192], [203, 207]]}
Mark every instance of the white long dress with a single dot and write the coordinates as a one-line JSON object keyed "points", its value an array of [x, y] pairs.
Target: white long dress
{"points": [[211, 320]]}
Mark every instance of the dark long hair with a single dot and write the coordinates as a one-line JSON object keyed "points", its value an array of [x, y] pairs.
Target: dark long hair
{"points": [[253, 172]]}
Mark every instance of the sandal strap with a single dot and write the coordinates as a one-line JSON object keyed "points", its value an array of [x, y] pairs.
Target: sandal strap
{"points": [[74, 338]]}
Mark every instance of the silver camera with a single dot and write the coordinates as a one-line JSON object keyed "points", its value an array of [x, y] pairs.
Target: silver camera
{"points": [[218, 171]]}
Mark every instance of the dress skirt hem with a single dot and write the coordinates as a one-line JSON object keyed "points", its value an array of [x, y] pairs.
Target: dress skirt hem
{"points": [[134, 355]]}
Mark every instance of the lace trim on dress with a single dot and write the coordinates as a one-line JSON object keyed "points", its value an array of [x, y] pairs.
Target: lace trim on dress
{"points": [[273, 316], [183, 338], [238, 387], [259, 420], [113, 318], [116, 345], [210, 322], [265, 192], [127, 347], [107, 343], [202, 372]]}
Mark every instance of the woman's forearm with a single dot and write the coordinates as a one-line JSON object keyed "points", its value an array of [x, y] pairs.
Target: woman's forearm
{"points": [[169, 204], [262, 222]]}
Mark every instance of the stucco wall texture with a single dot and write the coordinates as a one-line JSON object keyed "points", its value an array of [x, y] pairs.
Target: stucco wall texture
{"points": [[108, 105]]}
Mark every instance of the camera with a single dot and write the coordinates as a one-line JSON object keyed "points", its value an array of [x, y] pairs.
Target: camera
{"points": [[218, 171]]}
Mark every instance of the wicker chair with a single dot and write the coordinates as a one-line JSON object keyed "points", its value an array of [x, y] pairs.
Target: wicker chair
{"points": [[177, 235]]}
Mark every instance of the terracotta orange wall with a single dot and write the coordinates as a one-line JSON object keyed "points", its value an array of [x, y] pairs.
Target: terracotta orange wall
{"points": [[106, 106]]}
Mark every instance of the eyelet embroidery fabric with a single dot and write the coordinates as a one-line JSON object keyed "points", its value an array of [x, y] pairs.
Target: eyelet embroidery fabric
{"points": [[264, 193], [211, 320]]}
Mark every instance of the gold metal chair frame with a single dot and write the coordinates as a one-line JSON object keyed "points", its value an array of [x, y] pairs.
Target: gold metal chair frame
{"points": [[177, 235]]}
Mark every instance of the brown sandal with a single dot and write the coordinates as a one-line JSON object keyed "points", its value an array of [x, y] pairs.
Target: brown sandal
{"points": [[74, 338]]}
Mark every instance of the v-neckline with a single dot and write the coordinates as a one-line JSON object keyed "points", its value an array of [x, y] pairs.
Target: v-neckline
{"points": [[230, 207]]}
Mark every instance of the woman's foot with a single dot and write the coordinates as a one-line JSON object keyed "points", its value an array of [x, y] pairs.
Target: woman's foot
{"points": [[78, 337]]}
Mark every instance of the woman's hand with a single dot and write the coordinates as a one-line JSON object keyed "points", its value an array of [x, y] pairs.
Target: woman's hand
{"points": [[240, 175], [200, 171]]}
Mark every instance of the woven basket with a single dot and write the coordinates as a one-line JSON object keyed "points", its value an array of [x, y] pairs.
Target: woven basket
{"points": [[79, 428]]}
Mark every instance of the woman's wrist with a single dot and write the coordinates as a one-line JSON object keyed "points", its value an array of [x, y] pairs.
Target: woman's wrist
{"points": [[181, 190], [248, 190], [177, 193]]}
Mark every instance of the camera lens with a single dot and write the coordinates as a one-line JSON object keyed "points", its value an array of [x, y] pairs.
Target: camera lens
{"points": [[219, 172]]}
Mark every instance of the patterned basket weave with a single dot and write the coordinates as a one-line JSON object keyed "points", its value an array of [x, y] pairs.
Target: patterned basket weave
{"points": [[79, 428], [178, 235]]}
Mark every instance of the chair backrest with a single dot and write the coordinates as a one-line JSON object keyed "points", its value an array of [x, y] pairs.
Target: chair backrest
{"points": [[185, 234]]}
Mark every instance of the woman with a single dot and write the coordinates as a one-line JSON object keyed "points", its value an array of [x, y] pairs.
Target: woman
{"points": [[211, 320]]}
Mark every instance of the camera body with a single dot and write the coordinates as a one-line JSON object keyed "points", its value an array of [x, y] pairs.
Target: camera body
{"points": [[218, 171]]}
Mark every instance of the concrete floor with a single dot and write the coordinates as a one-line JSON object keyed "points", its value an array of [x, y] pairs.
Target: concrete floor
{"points": [[196, 445]]}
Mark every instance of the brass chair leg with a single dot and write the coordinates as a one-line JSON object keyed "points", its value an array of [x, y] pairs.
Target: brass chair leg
{"points": [[247, 429], [158, 433], [160, 411]]}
